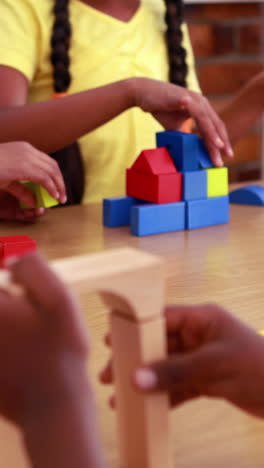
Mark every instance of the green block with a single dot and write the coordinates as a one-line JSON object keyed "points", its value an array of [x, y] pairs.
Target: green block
{"points": [[217, 182], [43, 198]]}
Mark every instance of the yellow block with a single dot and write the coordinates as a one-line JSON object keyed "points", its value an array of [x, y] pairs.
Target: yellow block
{"points": [[43, 198], [217, 182]]}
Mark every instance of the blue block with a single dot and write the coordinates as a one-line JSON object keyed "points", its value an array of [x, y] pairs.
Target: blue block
{"points": [[116, 211], [183, 148], [194, 185], [249, 195], [157, 219], [203, 156], [202, 213]]}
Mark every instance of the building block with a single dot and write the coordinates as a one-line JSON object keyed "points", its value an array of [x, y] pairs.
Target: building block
{"points": [[155, 161], [138, 336], [217, 182], [116, 211], [43, 198], [209, 212], [203, 156], [194, 185], [135, 343], [183, 148], [157, 219], [163, 188], [15, 246], [248, 195]]}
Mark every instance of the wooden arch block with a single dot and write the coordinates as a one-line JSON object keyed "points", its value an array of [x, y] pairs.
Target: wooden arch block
{"points": [[132, 285]]}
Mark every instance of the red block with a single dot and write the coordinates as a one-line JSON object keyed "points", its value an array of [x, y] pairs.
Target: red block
{"points": [[163, 188], [155, 161], [15, 246]]}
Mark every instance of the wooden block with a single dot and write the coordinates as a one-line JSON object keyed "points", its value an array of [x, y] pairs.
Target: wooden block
{"points": [[143, 422], [132, 284], [15, 246]]}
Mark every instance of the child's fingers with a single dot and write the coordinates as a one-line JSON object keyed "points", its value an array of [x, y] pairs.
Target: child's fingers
{"points": [[190, 373], [221, 130], [21, 193], [54, 300], [51, 168]]}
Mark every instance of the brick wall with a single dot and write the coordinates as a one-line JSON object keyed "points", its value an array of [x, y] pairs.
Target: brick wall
{"points": [[228, 41]]}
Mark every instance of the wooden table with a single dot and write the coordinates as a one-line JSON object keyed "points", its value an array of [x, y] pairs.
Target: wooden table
{"points": [[223, 264]]}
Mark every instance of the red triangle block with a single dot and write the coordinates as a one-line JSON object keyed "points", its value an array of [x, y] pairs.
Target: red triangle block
{"points": [[155, 161]]}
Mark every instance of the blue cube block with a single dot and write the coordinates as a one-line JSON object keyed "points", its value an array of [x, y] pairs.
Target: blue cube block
{"points": [[116, 211], [194, 185], [202, 213], [203, 156], [183, 148], [157, 219]]}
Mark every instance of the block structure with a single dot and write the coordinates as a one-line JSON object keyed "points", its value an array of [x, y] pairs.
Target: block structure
{"points": [[194, 185], [183, 148], [209, 212], [15, 246], [43, 198], [157, 219], [217, 182], [177, 185]]}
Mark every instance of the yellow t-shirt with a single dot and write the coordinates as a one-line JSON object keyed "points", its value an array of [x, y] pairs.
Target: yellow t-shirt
{"points": [[103, 50]]}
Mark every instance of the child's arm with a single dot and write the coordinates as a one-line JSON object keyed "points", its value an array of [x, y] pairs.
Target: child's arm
{"points": [[44, 388], [53, 124], [212, 354], [241, 113]]}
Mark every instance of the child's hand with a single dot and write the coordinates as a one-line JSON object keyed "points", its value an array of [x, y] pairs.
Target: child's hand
{"points": [[21, 161], [171, 105], [11, 210], [43, 343], [211, 353]]}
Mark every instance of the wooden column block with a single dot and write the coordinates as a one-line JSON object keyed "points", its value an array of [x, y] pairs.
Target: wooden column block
{"points": [[132, 284], [143, 422]]}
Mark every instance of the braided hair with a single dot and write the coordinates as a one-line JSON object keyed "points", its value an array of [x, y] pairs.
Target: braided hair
{"points": [[176, 52], [68, 158]]}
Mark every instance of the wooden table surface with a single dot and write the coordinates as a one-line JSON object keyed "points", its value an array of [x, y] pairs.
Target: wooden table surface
{"points": [[223, 264]]}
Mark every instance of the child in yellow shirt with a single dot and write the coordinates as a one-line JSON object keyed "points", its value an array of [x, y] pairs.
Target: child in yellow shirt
{"points": [[124, 53]]}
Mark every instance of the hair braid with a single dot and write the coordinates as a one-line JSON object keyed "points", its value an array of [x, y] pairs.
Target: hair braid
{"points": [[69, 158], [176, 52]]}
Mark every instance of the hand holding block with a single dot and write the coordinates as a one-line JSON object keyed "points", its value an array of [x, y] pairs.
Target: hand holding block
{"points": [[131, 283], [43, 198]]}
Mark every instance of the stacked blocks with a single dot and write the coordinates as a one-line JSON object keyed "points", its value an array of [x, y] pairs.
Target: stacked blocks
{"points": [[171, 188], [15, 246], [43, 198]]}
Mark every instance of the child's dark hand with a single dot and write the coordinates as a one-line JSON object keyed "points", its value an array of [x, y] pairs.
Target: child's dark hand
{"points": [[10, 209], [211, 353], [20, 161], [171, 105], [43, 343]]}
